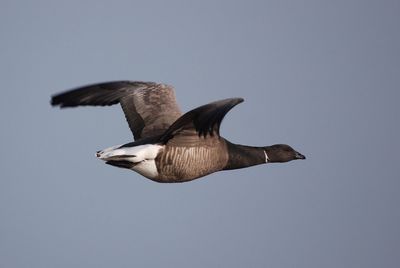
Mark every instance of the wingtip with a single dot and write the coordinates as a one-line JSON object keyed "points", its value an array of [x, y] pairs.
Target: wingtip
{"points": [[233, 101], [54, 101], [236, 100]]}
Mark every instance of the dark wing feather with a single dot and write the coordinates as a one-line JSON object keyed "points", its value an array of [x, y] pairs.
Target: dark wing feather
{"points": [[149, 108], [202, 121]]}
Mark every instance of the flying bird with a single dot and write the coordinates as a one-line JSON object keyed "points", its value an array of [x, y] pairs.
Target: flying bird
{"points": [[170, 146]]}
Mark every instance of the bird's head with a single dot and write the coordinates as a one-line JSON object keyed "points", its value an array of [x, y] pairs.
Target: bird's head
{"points": [[280, 153]]}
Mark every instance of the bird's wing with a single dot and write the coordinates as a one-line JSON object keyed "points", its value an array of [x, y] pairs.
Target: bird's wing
{"points": [[149, 108], [201, 123]]}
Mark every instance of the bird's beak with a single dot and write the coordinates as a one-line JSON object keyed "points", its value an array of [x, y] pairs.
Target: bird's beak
{"points": [[299, 156]]}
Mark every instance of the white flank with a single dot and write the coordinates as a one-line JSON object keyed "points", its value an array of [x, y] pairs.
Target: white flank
{"points": [[266, 157], [143, 156]]}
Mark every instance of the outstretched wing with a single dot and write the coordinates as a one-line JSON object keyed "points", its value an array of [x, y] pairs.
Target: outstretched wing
{"points": [[149, 108], [200, 122]]}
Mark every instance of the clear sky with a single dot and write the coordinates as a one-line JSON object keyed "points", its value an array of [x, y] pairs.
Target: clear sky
{"points": [[322, 76]]}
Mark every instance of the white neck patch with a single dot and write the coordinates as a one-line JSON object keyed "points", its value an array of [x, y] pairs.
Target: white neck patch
{"points": [[266, 157]]}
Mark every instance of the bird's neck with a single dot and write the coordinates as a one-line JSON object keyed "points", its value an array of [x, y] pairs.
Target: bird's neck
{"points": [[241, 156]]}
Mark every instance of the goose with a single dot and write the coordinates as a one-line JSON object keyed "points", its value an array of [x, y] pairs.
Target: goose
{"points": [[169, 146]]}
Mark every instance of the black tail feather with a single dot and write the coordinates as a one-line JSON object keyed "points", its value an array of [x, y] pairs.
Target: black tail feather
{"points": [[121, 163]]}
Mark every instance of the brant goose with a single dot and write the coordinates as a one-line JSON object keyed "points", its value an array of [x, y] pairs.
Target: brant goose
{"points": [[171, 147]]}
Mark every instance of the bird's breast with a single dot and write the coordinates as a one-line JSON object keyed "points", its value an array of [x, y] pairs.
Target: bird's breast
{"points": [[179, 164]]}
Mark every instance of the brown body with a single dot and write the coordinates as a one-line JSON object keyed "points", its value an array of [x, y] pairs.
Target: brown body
{"points": [[181, 163]]}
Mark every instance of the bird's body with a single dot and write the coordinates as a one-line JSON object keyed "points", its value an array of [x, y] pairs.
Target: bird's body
{"points": [[169, 146]]}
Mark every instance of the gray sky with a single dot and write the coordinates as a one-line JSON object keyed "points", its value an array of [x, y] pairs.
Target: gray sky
{"points": [[322, 76]]}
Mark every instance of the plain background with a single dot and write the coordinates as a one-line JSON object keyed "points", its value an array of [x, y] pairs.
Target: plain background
{"points": [[322, 76]]}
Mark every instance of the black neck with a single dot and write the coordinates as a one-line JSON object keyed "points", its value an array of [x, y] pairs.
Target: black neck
{"points": [[241, 156]]}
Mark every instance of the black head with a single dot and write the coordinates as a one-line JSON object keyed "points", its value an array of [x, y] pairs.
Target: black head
{"points": [[282, 153]]}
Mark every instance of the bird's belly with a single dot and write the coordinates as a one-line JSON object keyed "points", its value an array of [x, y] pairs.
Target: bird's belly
{"points": [[180, 164]]}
